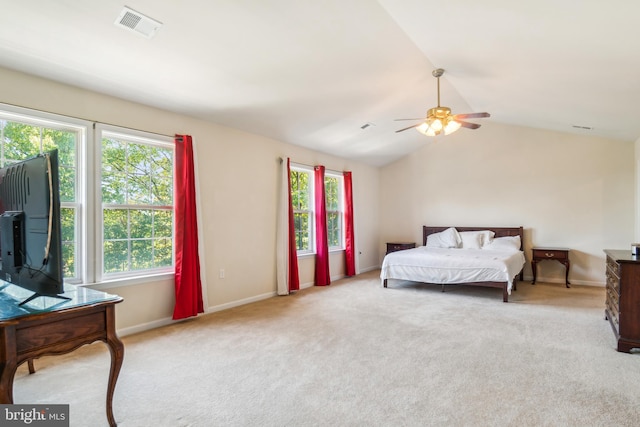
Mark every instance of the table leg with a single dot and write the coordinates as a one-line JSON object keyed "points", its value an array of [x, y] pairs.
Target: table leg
{"points": [[8, 371], [116, 347], [8, 363], [534, 269], [566, 277]]}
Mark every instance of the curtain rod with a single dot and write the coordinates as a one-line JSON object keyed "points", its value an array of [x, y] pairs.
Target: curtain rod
{"points": [[130, 128], [90, 120], [282, 159]]}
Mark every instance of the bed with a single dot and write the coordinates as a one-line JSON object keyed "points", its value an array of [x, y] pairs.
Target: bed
{"points": [[478, 256]]}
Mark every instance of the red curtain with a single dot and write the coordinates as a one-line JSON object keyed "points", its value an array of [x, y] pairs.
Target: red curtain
{"points": [[323, 277], [349, 239], [293, 278], [188, 287]]}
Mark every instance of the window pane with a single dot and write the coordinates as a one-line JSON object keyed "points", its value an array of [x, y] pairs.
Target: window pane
{"points": [[163, 224], [116, 224], [116, 256], [68, 259], [138, 168], [114, 180], [162, 176], [162, 252], [301, 221], [65, 143], [67, 179], [331, 193], [69, 246], [141, 224], [114, 187], [141, 254], [20, 142], [300, 190], [333, 229]]}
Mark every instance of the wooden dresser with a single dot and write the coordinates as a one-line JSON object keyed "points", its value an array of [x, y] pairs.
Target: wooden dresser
{"points": [[622, 305]]}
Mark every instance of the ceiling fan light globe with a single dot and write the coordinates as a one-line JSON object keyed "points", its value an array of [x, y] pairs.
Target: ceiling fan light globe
{"points": [[426, 129], [451, 127], [436, 125]]}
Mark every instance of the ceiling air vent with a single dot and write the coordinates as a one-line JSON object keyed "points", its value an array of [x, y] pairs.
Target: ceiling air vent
{"points": [[137, 22]]}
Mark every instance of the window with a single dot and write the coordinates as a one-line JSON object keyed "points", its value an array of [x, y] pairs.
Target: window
{"points": [[302, 202], [22, 137], [302, 198], [334, 206], [137, 204], [116, 190]]}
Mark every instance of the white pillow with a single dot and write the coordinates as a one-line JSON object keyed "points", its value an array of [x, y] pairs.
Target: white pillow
{"points": [[448, 238], [509, 242], [471, 239], [487, 237]]}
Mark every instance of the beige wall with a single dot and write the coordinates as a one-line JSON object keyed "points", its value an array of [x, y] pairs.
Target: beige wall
{"points": [[237, 176], [566, 190]]}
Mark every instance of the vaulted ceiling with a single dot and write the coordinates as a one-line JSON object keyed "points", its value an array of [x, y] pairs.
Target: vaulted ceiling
{"points": [[314, 73]]}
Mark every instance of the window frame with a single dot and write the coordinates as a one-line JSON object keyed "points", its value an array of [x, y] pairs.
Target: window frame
{"points": [[311, 211], [340, 210], [83, 140], [139, 137], [312, 237], [88, 205]]}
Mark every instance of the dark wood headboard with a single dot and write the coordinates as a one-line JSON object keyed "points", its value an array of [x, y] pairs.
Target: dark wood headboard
{"points": [[500, 232]]}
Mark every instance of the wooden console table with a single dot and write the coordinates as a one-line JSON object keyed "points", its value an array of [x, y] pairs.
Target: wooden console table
{"points": [[559, 254], [50, 326]]}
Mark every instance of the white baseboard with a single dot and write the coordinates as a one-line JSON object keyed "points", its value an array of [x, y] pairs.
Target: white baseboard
{"points": [[367, 269], [145, 326], [169, 321], [561, 281]]}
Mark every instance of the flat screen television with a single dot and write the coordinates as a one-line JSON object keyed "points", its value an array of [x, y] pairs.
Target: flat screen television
{"points": [[30, 231]]}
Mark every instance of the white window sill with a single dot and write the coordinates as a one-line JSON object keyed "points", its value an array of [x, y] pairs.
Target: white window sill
{"points": [[313, 254], [130, 281]]}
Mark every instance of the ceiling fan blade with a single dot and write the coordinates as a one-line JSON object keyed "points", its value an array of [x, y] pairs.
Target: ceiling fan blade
{"points": [[468, 125], [471, 116], [410, 127], [397, 120]]}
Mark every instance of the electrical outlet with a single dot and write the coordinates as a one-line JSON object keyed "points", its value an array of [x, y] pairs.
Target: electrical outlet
{"points": [[222, 273]]}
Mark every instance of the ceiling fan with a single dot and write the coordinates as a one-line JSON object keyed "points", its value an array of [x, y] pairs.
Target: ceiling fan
{"points": [[440, 120]]}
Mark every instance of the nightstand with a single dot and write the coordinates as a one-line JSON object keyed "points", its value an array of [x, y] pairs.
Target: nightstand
{"points": [[393, 247], [558, 254]]}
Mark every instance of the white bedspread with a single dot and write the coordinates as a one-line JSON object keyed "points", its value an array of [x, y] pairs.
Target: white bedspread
{"points": [[448, 266]]}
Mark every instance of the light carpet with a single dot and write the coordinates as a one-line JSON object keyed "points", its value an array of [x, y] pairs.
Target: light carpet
{"points": [[357, 354]]}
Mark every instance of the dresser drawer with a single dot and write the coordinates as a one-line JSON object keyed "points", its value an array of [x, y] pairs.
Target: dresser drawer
{"points": [[613, 282], [550, 254], [613, 267], [612, 315], [613, 298]]}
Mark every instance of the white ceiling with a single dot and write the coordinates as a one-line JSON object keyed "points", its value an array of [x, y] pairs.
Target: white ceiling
{"points": [[312, 73]]}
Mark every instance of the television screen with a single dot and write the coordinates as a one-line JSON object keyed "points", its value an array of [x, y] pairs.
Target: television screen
{"points": [[30, 240]]}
